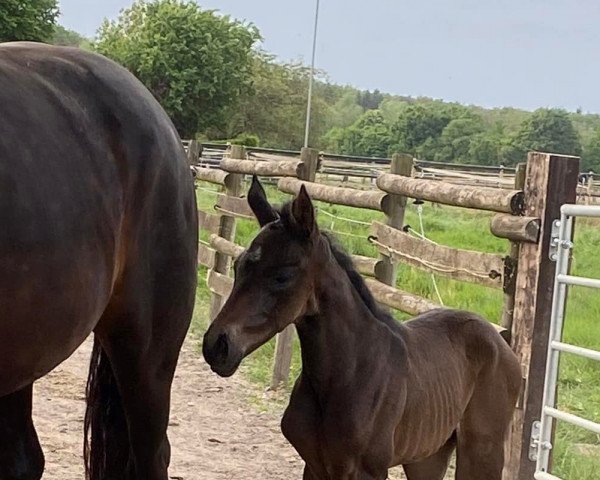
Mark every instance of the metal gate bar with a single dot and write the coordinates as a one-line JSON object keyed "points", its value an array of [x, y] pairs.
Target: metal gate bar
{"points": [[562, 245]]}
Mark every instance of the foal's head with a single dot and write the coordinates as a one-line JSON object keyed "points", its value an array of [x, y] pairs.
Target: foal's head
{"points": [[274, 281]]}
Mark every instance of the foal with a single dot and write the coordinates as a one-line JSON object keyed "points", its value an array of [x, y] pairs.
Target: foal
{"points": [[373, 393]]}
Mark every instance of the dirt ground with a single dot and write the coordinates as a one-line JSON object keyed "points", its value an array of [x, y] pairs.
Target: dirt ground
{"points": [[216, 433]]}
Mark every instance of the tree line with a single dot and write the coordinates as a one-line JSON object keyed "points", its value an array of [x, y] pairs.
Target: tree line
{"points": [[215, 83]]}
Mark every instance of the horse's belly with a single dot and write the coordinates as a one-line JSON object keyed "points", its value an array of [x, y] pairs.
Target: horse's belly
{"points": [[46, 312], [428, 424]]}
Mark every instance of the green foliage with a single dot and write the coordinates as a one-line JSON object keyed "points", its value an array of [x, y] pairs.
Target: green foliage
{"points": [[419, 126], [591, 154], [196, 62], [368, 136], [245, 139], [345, 111], [203, 70], [275, 108], [548, 130], [456, 138], [70, 38], [369, 100], [27, 20]]}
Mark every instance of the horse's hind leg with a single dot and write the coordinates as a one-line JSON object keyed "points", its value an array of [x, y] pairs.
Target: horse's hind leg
{"points": [[143, 353], [21, 456], [434, 467], [482, 430], [142, 332]]}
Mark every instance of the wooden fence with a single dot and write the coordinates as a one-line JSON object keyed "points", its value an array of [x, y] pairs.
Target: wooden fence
{"points": [[523, 216], [362, 172]]}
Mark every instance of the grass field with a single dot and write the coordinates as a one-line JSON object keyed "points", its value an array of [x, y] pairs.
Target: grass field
{"points": [[576, 452]]}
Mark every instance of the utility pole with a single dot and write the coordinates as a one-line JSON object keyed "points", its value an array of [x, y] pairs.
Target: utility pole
{"points": [[312, 74]]}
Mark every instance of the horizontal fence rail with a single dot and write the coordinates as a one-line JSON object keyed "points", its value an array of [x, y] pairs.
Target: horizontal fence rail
{"points": [[480, 198], [344, 169]]}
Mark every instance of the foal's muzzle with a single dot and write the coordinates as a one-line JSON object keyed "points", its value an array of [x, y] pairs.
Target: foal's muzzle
{"points": [[220, 353]]}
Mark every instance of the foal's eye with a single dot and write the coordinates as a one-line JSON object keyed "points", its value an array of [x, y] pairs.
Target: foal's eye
{"points": [[283, 277]]}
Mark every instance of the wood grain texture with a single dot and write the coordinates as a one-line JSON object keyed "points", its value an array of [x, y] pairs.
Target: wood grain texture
{"points": [[286, 168], [211, 175], [464, 265], [398, 299], [339, 195], [206, 256], [208, 222], [516, 229], [222, 264], [551, 181], [219, 284], [396, 205], [224, 246], [481, 198]]}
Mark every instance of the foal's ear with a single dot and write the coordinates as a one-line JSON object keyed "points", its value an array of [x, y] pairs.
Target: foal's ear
{"points": [[304, 212], [257, 199]]}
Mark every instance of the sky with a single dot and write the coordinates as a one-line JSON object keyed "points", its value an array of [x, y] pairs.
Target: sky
{"points": [[494, 53]]}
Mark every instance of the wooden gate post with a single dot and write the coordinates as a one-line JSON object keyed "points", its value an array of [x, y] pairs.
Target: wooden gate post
{"points": [[386, 270], [233, 187], [285, 340], [551, 181]]}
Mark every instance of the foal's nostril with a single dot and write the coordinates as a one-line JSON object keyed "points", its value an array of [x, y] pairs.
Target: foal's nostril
{"points": [[221, 347]]}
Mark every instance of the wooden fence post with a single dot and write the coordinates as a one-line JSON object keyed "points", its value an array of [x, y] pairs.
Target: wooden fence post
{"points": [[386, 269], [193, 152], [285, 340], [233, 187], [551, 181], [508, 308]]}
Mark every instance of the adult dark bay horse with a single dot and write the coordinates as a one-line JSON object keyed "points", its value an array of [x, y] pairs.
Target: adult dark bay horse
{"points": [[99, 233], [373, 393]]}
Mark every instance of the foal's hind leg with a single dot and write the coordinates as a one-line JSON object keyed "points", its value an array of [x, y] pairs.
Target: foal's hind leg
{"points": [[481, 433], [434, 467], [21, 457]]}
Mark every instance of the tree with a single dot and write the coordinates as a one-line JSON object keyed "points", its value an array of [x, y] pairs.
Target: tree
{"points": [[70, 38], [369, 136], [345, 111], [196, 63], [418, 123], [27, 20], [369, 100], [455, 140], [275, 107], [548, 130], [590, 159]]}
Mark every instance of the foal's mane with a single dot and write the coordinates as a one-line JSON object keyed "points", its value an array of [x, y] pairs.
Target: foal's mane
{"points": [[345, 261]]}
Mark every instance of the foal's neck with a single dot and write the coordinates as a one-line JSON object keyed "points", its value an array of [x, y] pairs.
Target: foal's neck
{"points": [[339, 338]]}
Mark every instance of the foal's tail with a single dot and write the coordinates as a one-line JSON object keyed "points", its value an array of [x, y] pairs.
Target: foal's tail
{"points": [[106, 444]]}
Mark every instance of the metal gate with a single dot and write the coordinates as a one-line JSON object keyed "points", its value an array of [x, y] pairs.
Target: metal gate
{"points": [[562, 245]]}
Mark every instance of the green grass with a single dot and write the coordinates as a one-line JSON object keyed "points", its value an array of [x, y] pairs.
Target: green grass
{"points": [[577, 452]]}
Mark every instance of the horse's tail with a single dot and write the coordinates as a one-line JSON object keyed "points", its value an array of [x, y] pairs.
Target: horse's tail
{"points": [[106, 444]]}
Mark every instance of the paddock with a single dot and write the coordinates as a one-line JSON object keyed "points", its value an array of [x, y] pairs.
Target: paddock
{"points": [[247, 441], [524, 213], [219, 430]]}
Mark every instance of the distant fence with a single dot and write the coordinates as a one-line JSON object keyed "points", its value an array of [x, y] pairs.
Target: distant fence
{"points": [[362, 172], [524, 213]]}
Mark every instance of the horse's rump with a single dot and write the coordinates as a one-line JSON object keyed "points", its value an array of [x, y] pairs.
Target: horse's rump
{"points": [[89, 167]]}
